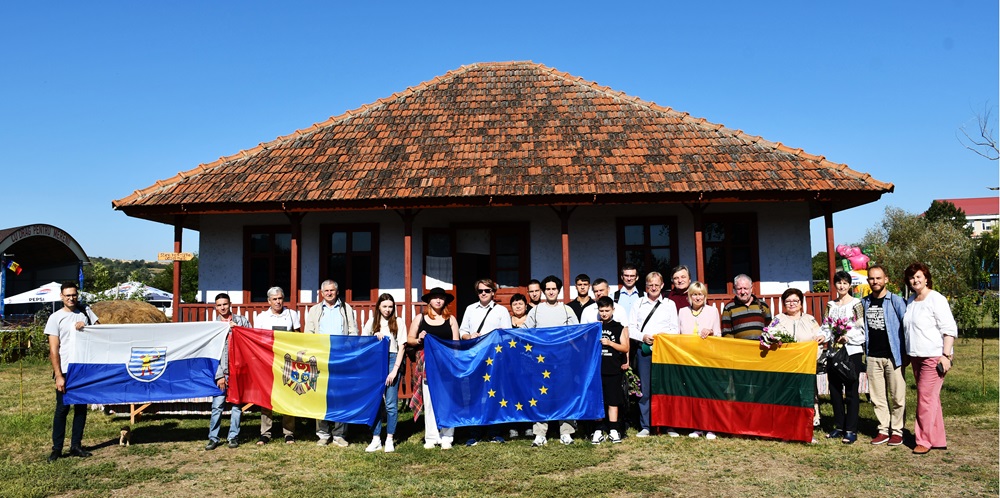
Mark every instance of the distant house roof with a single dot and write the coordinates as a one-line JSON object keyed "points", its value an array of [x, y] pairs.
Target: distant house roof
{"points": [[510, 133], [977, 206]]}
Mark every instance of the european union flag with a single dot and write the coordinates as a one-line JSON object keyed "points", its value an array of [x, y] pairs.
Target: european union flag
{"points": [[517, 375]]}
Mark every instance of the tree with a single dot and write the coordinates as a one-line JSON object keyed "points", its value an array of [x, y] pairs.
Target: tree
{"points": [[948, 212], [985, 258], [821, 266], [189, 280], [902, 238]]}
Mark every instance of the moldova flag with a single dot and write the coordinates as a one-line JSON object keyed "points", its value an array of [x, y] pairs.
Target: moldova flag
{"points": [[733, 386], [516, 375], [326, 377], [14, 267]]}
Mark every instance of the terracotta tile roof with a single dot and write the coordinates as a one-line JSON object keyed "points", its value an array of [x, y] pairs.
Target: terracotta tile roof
{"points": [[502, 134]]}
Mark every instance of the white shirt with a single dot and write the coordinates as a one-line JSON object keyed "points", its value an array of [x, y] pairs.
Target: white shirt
{"points": [[62, 324], [590, 315], [268, 320], [663, 321], [926, 323], [394, 342], [497, 317]]}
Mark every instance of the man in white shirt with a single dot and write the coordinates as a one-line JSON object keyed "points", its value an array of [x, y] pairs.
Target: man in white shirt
{"points": [[331, 317], [485, 316], [276, 317], [551, 313], [61, 328], [589, 315], [650, 316], [627, 295]]}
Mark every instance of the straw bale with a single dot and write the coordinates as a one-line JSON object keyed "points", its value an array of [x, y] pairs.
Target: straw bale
{"points": [[128, 312]]}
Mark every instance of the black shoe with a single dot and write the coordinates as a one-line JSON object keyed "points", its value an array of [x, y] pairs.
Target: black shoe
{"points": [[835, 434], [79, 452], [233, 443], [55, 455], [263, 440], [212, 445]]}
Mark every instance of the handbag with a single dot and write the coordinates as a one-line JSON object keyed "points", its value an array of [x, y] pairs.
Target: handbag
{"points": [[839, 363]]}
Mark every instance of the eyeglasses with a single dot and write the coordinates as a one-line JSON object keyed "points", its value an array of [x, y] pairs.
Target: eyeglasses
{"points": [[792, 301], [485, 291]]}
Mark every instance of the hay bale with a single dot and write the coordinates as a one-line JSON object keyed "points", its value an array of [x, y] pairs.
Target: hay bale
{"points": [[128, 312]]}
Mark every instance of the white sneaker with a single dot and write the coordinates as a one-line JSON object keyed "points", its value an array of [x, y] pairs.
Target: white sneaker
{"points": [[614, 437], [529, 432], [389, 447], [512, 434], [709, 435], [695, 434], [643, 433], [339, 441], [446, 443], [539, 441], [566, 439], [375, 445], [598, 437], [430, 444], [672, 433]]}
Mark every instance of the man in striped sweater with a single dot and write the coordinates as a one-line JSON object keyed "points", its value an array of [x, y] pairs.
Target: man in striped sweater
{"points": [[745, 316]]}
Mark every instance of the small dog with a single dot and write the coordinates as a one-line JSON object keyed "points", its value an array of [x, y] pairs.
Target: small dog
{"points": [[125, 437]]}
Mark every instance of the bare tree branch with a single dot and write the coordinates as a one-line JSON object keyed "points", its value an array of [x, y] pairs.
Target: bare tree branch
{"points": [[986, 143]]}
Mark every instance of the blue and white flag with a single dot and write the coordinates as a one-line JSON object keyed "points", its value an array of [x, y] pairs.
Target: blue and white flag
{"points": [[112, 364]]}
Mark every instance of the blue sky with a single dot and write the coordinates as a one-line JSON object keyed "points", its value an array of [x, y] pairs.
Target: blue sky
{"points": [[103, 98]]}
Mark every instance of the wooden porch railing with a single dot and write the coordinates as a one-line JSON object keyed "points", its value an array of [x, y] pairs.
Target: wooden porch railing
{"points": [[815, 303]]}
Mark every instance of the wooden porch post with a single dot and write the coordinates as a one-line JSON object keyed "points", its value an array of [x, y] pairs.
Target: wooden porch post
{"points": [[830, 255], [699, 241], [178, 235], [408, 215], [296, 221], [563, 212]]}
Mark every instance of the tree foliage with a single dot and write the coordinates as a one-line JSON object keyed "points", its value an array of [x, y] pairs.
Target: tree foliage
{"points": [[189, 280], [903, 238], [947, 212], [821, 267]]}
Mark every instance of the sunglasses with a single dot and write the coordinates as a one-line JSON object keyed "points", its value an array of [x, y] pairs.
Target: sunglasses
{"points": [[485, 291]]}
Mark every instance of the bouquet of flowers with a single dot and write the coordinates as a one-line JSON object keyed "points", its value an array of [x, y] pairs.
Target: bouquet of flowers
{"points": [[634, 386], [836, 328], [772, 338]]}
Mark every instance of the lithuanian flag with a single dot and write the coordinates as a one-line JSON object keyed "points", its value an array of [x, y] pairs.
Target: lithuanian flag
{"points": [[329, 377], [732, 386]]}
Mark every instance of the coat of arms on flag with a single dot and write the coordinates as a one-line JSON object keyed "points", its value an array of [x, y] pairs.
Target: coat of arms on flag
{"points": [[147, 364], [299, 374]]}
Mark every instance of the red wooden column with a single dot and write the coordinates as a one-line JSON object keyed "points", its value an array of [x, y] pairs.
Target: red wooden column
{"points": [[564, 214], [293, 294], [408, 215], [178, 235], [831, 257], [697, 209]]}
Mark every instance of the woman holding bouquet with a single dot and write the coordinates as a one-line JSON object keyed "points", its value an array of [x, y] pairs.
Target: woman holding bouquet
{"points": [[800, 326], [845, 326]]}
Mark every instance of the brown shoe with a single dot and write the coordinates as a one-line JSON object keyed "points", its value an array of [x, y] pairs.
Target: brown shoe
{"points": [[895, 440], [921, 450], [880, 439]]}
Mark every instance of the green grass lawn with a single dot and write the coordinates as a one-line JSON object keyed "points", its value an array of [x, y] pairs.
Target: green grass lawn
{"points": [[167, 456]]}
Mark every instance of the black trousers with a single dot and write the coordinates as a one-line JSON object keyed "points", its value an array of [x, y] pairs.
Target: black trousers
{"points": [[845, 390]]}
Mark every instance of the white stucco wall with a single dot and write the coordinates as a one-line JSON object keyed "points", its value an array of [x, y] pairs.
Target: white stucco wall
{"points": [[783, 237]]}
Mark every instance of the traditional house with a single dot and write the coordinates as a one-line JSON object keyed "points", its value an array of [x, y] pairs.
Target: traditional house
{"points": [[504, 170]]}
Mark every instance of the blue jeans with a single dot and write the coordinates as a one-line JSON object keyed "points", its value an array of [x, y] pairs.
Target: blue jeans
{"points": [[59, 424], [215, 423], [388, 411], [644, 363]]}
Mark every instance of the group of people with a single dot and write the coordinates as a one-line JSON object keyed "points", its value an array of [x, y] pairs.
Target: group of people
{"points": [[886, 334]]}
